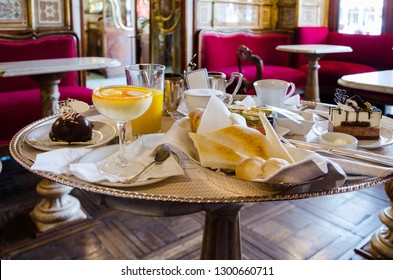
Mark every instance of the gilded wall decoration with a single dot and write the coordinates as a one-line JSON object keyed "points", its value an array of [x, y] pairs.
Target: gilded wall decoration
{"points": [[50, 13]]}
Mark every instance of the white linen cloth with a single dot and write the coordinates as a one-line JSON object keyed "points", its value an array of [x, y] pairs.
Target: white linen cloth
{"points": [[65, 161]]}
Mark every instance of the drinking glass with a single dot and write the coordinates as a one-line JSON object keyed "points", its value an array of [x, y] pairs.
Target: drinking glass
{"points": [[122, 104], [149, 76]]}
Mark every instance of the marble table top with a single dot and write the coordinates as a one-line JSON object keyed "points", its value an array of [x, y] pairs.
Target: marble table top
{"points": [[314, 48], [379, 81], [58, 65]]}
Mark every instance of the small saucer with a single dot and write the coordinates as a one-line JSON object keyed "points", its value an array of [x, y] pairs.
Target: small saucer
{"points": [[38, 137]]}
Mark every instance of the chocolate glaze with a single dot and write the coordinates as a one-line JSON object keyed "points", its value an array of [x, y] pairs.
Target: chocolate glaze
{"points": [[77, 129]]}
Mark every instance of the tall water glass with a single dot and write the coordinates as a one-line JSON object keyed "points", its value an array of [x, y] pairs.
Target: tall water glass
{"points": [[149, 76]]}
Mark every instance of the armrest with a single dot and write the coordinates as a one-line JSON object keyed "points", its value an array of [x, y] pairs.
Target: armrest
{"points": [[245, 54]]}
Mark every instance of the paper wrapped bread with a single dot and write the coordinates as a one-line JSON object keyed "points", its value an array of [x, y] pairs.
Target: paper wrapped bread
{"points": [[257, 168], [228, 147], [215, 155]]}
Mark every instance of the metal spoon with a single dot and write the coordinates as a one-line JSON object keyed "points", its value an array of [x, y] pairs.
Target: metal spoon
{"points": [[162, 153]]}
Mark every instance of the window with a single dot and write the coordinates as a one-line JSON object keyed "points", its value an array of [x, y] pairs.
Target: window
{"points": [[360, 16]]}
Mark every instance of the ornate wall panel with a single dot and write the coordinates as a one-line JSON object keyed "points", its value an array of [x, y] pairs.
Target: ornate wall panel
{"points": [[34, 14], [265, 14], [14, 14]]}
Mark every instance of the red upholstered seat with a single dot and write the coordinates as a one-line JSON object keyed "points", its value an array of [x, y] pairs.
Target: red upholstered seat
{"points": [[372, 50], [20, 102], [370, 53], [218, 53], [330, 71], [369, 50], [19, 108], [51, 47], [283, 73]]}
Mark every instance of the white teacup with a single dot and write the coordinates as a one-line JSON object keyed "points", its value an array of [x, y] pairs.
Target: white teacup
{"points": [[273, 92], [199, 97]]}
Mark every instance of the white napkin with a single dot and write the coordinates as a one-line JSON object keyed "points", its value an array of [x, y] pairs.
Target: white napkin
{"points": [[249, 101], [65, 161], [351, 167], [308, 165], [58, 161], [292, 102], [216, 116], [321, 110], [302, 126]]}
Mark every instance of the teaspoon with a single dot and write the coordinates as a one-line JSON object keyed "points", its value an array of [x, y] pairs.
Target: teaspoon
{"points": [[161, 155]]}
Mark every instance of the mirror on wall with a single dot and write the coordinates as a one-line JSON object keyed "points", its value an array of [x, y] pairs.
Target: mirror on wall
{"points": [[143, 29], [166, 33]]}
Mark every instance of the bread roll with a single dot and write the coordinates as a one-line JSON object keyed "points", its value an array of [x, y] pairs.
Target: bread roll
{"points": [[271, 166], [250, 168], [195, 117], [257, 168]]}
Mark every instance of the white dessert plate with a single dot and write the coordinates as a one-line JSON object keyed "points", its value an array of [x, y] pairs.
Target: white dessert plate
{"points": [[104, 152], [385, 137], [38, 137]]}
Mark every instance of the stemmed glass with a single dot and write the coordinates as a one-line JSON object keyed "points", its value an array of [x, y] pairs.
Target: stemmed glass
{"points": [[122, 104]]}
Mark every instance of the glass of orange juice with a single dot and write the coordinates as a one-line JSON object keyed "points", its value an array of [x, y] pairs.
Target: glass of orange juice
{"points": [[122, 104], [149, 76]]}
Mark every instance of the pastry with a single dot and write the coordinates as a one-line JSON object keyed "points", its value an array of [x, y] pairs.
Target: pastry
{"points": [[355, 117], [70, 126]]}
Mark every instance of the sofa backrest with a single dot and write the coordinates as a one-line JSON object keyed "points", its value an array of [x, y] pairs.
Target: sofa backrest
{"points": [[309, 35], [218, 48], [372, 50], [54, 46]]}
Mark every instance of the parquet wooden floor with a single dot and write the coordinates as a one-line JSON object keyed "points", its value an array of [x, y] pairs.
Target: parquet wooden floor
{"points": [[327, 228]]}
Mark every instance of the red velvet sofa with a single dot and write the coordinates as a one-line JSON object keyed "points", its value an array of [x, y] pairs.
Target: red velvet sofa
{"points": [[217, 52], [20, 96], [370, 53]]}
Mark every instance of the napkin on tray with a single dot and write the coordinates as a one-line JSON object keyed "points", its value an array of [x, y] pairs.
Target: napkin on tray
{"points": [[321, 110], [308, 165], [290, 103], [358, 168], [65, 161]]}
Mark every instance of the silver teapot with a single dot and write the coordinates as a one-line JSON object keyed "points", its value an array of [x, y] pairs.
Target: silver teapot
{"points": [[217, 80]]}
